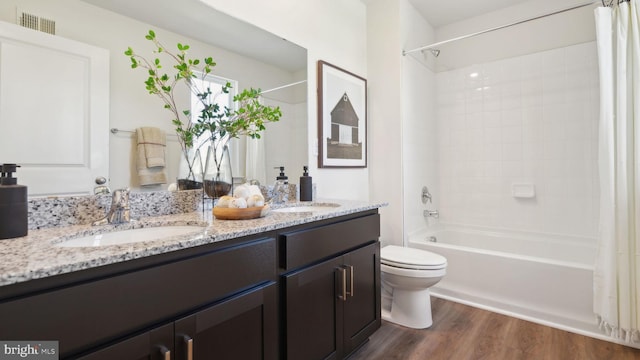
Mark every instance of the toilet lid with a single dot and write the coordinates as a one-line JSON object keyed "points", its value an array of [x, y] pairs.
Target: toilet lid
{"points": [[410, 258]]}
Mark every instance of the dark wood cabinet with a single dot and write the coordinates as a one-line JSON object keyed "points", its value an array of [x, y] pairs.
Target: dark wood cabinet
{"points": [[306, 292], [361, 316], [242, 327], [334, 306], [331, 307], [156, 344], [311, 312], [87, 316]]}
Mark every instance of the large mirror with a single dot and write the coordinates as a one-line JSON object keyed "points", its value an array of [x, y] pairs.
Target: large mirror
{"points": [[243, 53]]}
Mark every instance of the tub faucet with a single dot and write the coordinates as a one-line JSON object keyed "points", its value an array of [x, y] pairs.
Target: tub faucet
{"points": [[119, 212], [431, 213]]}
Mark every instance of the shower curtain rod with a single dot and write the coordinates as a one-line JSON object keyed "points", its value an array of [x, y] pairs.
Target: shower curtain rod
{"points": [[434, 45], [284, 86]]}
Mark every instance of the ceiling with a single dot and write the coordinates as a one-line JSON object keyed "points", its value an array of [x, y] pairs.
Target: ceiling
{"points": [[443, 12], [196, 20]]}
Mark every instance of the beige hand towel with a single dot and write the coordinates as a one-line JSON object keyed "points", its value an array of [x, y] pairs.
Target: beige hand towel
{"points": [[153, 141], [151, 156]]}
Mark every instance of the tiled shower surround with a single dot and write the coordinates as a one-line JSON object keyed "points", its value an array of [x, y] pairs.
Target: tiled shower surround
{"points": [[525, 120]]}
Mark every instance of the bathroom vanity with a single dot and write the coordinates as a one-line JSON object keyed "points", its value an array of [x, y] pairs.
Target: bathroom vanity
{"points": [[296, 285]]}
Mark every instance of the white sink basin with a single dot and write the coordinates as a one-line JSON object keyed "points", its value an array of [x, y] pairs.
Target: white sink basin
{"points": [[307, 208], [133, 236]]}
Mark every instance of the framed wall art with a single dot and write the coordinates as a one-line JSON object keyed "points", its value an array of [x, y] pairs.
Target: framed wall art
{"points": [[342, 118]]}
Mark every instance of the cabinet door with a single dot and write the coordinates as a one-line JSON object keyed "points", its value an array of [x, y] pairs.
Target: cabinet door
{"points": [[156, 344], [362, 308], [312, 310], [243, 327]]}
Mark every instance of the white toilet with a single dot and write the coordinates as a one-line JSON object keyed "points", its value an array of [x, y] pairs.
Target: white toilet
{"points": [[407, 274]]}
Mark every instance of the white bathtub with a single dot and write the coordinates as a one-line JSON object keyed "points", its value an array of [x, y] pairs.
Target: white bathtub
{"points": [[543, 279]]}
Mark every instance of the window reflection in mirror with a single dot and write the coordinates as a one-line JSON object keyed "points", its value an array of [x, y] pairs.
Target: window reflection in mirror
{"points": [[223, 100]]}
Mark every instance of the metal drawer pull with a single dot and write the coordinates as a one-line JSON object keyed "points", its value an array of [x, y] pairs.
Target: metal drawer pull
{"points": [[166, 353], [351, 276], [189, 342], [343, 297]]}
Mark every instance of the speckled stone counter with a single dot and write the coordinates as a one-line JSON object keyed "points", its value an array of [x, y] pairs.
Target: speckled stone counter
{"points": [[36, 256], [77, 210]]}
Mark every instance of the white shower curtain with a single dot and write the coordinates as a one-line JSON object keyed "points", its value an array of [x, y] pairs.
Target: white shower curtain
{"points": [[617, 270]]}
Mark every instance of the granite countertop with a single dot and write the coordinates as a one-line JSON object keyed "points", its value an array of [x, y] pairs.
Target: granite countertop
{"points": [[36, 255]]}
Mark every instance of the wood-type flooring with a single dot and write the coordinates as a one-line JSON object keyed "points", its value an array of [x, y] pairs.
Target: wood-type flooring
{"points": [[463, 332]]}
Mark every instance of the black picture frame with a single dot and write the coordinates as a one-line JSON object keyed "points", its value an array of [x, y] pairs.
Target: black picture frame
{"points": [[342, 118]]}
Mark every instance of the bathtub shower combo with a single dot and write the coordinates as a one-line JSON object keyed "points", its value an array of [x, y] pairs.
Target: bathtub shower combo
{"points": [[539, 278], [509, 151]]}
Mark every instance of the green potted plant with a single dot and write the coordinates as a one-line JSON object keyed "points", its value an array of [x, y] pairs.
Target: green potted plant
{"points": [[248, 119], [219, 123]]}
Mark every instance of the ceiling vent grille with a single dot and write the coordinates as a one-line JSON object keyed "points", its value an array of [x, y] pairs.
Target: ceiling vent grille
{"points": [[36, 23]]}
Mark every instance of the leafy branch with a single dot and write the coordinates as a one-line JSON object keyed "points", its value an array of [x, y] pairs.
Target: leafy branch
{"points": [[248, 119]]}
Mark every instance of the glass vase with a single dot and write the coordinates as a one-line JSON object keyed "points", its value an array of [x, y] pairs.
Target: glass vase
{"points": [[218, 178], [190, 170]]}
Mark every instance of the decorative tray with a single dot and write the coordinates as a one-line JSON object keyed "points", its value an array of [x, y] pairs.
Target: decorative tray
{"points": [[225, 213]]}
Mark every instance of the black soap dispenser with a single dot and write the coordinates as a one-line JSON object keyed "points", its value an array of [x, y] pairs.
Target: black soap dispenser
{"points": [[306, 186], [282, 176], [13, 204]]}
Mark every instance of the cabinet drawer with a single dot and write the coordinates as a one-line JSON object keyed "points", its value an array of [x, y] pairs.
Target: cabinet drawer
{"points": [[302, 247], [151, 345], [88, 314]]}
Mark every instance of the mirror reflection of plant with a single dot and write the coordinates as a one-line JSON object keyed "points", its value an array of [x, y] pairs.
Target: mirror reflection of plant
{"points": [[248, 119], [222, 123]]}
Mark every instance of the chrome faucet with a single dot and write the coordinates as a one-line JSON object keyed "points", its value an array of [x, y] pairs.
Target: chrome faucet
{"points": [[431, 213], [119, 212]]}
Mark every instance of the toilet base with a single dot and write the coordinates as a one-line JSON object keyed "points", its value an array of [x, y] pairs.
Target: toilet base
{"points": [[409, 308]]}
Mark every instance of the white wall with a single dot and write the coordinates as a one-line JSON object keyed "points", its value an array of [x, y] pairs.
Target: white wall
{"points": [[331, 30], [402, 107], [131, 105], [419, 133], [385, 113]]}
